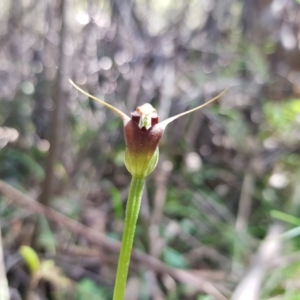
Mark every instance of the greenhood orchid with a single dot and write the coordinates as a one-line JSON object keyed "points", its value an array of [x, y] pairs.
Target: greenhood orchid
{"points": [[143, 132]]}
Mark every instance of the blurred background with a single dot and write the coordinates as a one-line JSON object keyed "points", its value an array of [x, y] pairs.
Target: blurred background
{"points": [[224, 200]]}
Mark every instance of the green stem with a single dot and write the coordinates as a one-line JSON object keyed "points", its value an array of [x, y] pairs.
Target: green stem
{"points": [[132, 212]]}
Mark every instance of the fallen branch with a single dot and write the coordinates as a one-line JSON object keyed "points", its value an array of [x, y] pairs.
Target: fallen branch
{"points": [[200, 284]]}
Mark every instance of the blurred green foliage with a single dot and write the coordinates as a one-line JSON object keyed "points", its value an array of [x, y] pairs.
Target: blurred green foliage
{"points": [[87, 289], [174, 55]]}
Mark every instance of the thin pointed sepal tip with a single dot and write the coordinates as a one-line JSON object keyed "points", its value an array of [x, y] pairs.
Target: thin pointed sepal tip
{"points": [[171, 119], [122, 115]]}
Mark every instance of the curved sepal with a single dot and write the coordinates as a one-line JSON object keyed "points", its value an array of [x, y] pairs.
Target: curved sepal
{"points": [[171, 119], [123, 116]]}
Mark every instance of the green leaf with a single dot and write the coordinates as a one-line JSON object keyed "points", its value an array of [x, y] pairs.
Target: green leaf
{"points": [[204, 297], [291, 233], [46, 238], [87, 289], [174, 258], [117, 202], [285, 217], [31, 258], [28, 162]]}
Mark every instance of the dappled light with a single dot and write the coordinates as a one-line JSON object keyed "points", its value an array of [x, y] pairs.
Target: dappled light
{"points": [[219, 215]]}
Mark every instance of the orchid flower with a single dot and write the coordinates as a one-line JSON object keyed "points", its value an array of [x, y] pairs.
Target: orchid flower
{"points": [[143, 132]]}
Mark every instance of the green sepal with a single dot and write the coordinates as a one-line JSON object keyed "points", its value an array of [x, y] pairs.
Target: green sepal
{"points": [[141, 165]]}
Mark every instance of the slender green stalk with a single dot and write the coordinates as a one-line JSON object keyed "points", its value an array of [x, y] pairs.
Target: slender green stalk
{"points": [[132, 212]]}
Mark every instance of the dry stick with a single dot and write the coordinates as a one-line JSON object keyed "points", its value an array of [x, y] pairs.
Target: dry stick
{"points": [[159, 201], [58, 117], [243, 214], [245, 202], [4, 290], [100, 239], [249, 287]]}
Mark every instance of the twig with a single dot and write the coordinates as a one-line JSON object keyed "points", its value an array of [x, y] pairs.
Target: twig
{"points": [[245, 202], [4, 290], [183, 276], [156, 243], [249, 287], [243, 215], [58, 117]]}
